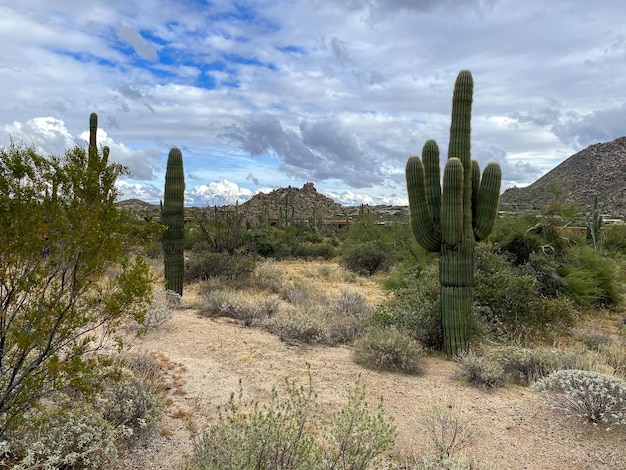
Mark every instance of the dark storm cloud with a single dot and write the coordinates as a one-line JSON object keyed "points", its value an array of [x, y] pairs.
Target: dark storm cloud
{"points": [[322, 150]]}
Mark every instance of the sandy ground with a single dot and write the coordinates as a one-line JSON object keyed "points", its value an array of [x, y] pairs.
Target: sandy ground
{"points": [[205, 359]]}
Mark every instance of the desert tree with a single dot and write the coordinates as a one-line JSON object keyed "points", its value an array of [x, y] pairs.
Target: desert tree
{"points": [[68, 278]]}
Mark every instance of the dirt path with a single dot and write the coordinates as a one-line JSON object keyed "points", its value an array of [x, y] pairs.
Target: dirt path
{"points": [[205, 359]]}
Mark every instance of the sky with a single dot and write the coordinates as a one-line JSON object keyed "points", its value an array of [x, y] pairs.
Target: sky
{"points": [[270, 93]]}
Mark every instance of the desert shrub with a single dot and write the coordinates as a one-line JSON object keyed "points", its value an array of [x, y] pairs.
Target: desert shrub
{"points": [[225, 303], [132, 396], [591, 279], [65, 435], [613, 238], [388, 349], [512, 305], [69, 275], [416, 308], [231, 267], [285, 434], [309, 250], [296, 326], [347, 316], [367, 258], [425, 463], [159, 310], [480, 371], [599, 398], [356, 439], [528, 365], [267, 277], [614, 354], [448, 432], [302, 294]]}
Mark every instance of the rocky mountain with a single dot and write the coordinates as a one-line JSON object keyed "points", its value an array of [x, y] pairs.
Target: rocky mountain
{"points": [[295, 204], [599, 170]]}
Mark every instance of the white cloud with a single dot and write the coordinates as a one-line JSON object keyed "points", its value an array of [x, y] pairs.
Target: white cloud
{"points": [[325, 91]]}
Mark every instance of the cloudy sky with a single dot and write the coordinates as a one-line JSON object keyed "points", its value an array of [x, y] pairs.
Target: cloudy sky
{"points": [[260, 94]]}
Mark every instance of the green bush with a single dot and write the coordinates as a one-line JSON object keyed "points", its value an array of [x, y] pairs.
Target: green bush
{"points": [[356, 438], [415, 309], [309, 250], [388, 349], [613, 238], [512, 304], [285, 434], [231, 267], [591, 279], [599, 398], [367, 258]]}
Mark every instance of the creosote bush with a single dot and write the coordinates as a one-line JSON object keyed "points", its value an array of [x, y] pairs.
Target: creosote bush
{"points": [[286, 433], [599, 398]]}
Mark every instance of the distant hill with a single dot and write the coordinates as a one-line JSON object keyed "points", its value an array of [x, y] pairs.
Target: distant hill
{"points": [[599, 170], [299, 204]]}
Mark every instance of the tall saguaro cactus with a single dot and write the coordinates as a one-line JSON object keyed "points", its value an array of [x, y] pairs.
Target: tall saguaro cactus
{"points": [[450, 218], [98, 180], [173, 217]]}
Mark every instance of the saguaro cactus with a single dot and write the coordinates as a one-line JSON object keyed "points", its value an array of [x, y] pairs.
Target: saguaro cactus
{"points": [[98, 182], [452, 218], [173, 217]]}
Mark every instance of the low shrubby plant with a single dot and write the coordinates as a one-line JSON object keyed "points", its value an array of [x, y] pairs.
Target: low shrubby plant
{"points": [[614, 354], [286, 433], [236, 269], [249, 311], [347, 316], [480, 371], [513, 305], [597, 397], [448, 432], [526, 365], [267, 277], [296, 326], [367, 258], [415, 308], [388, 349], [65, 435], [79, 430]]}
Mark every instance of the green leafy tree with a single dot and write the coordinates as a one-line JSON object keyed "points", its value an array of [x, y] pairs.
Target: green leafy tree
{"points": [[67, 278]]}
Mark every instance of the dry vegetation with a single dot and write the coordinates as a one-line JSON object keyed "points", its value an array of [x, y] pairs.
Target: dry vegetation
{"points": [[205, 358]]}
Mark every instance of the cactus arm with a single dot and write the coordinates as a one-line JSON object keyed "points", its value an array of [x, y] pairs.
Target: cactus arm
{"points": [[452, 202], [488, 198], [421, 221], [430, 159], [475, 185]]}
